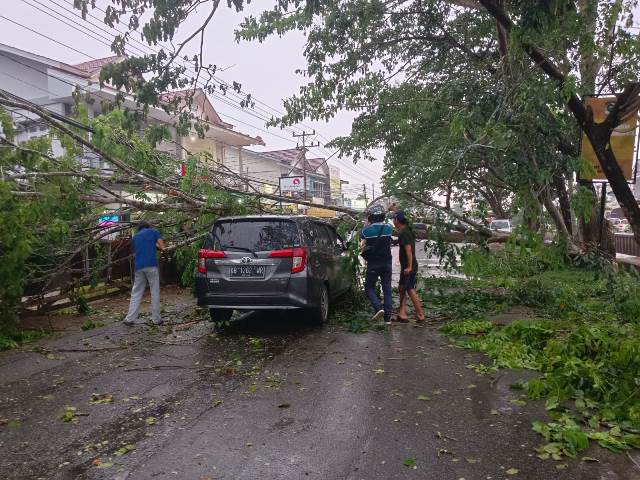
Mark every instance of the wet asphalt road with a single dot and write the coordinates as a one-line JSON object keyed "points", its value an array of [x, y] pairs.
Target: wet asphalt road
{"points": [[271, 399]]}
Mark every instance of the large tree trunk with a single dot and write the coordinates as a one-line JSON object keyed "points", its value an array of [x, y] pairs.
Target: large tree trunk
{"points": [[563, 200]]}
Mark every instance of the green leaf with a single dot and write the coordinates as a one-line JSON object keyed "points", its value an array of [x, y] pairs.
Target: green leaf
{"points": [[409, 462], [424, 398], [124, 450]]}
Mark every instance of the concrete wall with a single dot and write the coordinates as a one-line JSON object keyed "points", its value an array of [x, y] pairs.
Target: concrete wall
{"points": [[264, 172]]}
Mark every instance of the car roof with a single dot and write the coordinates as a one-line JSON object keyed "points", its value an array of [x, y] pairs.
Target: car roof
{"points": [[271, 217], [258, 217]]}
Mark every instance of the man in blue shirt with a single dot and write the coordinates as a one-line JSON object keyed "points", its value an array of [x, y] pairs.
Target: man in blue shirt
{"points": [[144, 245], [376, 244]]}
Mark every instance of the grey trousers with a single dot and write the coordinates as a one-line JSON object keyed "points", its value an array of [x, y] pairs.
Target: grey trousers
{"points": [[143, 276]]}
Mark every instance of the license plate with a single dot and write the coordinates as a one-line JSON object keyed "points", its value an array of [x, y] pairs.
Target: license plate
{"points": [[247, 271]]}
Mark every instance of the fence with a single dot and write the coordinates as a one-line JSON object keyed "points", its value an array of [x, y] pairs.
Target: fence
{"points": [[88, 268], [626, 244]]}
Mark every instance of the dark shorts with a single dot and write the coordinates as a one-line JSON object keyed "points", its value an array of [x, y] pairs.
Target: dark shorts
{"points": [[408, 282]]}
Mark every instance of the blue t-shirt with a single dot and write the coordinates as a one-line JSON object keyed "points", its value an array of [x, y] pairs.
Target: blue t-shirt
{"points": [[144, 247], [381, 246]]}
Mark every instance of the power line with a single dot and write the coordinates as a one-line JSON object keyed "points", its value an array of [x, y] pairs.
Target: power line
{"points": [[215, 94], [106, 41], [219, 79], [223, 100], [278, 112], [46, 36], [87, 91], [257, 179], [151, 50]]}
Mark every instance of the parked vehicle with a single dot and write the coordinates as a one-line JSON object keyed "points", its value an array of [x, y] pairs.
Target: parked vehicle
{"points": [[500, 226], [271, 263], [623, 225]]}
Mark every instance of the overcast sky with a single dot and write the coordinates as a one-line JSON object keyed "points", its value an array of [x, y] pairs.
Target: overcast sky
{"points": [[266, 70]]}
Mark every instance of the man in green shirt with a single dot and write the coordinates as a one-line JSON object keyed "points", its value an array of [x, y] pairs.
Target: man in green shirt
{"points": [[409, 269]]}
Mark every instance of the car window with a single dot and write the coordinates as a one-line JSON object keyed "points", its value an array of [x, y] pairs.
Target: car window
{"points": [[500, 224], [255, 235], [309, 233], [322, 234], [334, 240]]}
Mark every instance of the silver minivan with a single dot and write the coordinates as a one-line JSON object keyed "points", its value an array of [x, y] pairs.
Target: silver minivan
{"points": [[270, 262]]}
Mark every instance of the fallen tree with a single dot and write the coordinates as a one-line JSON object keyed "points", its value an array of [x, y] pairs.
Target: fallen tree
{"points": [[52, 206]]}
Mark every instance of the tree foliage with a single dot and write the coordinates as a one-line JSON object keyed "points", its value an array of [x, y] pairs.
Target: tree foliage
{"points": [[449, 90]]}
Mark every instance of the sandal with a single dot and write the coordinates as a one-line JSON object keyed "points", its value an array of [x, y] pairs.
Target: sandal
{"points": [[420, 319], [399, 319]]}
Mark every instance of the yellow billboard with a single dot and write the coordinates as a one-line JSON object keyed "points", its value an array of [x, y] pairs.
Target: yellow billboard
{"points": [[623, 140], [321, 212], [335, 185]]}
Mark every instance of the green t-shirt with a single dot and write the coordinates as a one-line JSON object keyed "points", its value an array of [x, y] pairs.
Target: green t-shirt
{"points": [[406, 237]]}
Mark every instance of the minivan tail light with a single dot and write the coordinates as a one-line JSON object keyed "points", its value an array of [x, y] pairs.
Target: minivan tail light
{"points": [[203, 254], [299, 256], [299, 260]]}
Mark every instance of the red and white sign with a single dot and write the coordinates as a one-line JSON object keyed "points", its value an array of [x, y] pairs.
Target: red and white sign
{"points": [[291, 184]]}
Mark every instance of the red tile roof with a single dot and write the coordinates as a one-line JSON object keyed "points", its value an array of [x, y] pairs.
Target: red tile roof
{"points": [[94, 66]]}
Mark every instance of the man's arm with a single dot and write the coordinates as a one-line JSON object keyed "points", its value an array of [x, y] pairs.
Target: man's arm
{"points": [[160, 244], [407, 249]]}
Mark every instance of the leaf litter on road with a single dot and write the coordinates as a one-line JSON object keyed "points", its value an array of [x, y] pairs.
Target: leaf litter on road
{"points": [[124, 450], [97, 398]]}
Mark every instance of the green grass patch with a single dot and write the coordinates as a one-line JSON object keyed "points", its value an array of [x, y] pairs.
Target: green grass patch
{"points": [[584, 341], [91, 324], [10, 339], [470, 326]]}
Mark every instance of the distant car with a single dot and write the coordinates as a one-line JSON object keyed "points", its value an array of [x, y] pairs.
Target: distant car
{"points": [[501, 226], [622, 225], [271, 263]]}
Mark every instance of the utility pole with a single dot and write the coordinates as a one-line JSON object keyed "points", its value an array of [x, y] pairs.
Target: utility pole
{"points": [[364, 191], [304, 136], [373, 192]]}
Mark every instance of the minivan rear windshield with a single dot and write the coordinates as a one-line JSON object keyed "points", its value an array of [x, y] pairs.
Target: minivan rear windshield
{"points": [[254, 235]]}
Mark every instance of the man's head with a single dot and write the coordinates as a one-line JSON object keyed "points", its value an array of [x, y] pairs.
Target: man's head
{"points": [[376, 214], [399, 219], [143, 224]]}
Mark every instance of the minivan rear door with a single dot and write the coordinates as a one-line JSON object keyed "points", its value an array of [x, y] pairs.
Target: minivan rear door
{"points": [[251, 264]]}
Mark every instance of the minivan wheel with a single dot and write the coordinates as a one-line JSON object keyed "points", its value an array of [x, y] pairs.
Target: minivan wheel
{"points": [[220, 315], [320, 314]]}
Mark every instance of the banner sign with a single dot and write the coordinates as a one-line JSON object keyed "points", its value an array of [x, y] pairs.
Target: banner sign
{"points": [[623, 140], [335, 184], [291, 184]]}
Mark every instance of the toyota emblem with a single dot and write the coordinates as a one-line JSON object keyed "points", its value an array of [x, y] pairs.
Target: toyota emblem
{"points": [[247, 260]]}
